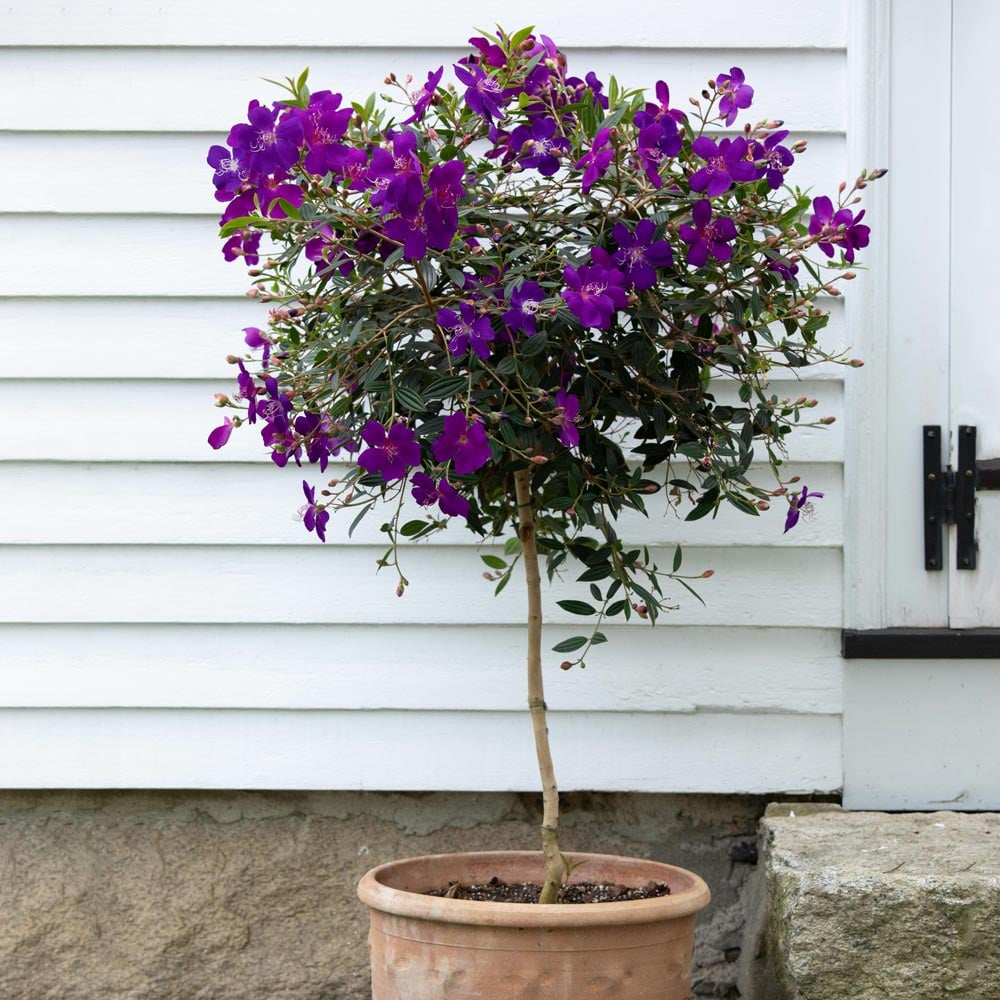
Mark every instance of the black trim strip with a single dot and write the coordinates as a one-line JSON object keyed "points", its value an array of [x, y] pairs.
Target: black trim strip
{"points": [[921, 644]]}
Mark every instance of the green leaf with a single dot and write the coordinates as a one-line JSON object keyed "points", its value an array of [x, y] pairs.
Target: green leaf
{"points": [[512, 547], [570, 645], [615, 609], [494, 562], [442, 388], [691, 590], [411, 399], [233, 224], [504, 580], [677, 558], [597, 638], [412, 528], [595, 592], [577, 607], [601, 572]]}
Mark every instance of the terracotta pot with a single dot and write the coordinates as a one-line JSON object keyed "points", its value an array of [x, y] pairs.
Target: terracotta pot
{"points": [[433, 948]]}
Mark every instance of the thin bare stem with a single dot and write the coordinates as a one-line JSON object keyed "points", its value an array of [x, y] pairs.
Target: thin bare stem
{"points": [[536, 691]]}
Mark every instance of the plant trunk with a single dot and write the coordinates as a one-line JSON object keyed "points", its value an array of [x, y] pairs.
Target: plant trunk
{"points": [[536, 691]]}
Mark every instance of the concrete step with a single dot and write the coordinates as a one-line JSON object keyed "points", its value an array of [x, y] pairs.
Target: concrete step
{"points": [[874, 906]]}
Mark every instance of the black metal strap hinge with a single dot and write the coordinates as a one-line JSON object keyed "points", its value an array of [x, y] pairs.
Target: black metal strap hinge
{"points": [[950, 496]]}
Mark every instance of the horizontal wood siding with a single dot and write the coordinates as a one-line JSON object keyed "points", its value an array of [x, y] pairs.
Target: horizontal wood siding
{"points": [[167, 622]]}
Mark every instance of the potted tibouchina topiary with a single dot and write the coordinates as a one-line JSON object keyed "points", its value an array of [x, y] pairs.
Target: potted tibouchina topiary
{"points": [[505, 300]]}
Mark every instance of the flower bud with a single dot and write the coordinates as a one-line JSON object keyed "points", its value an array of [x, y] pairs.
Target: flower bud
{"points": [[641, 610], [538, 460], [221, 399], [565, 665], [856, 363], [794, 479], [763, 505], [399, 590], [828, 420], [708, 573], [848, 276]]}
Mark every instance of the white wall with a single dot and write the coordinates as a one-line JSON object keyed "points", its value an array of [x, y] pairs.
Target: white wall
{"points": [[165, 622]]}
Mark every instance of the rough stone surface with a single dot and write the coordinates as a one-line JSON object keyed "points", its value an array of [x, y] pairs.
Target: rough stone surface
{"points": [[250, 896], [872, 906]]}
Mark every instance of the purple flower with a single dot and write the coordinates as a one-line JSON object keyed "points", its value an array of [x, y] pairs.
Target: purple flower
{"points": [[734, 93], [265, 144], [443, 494], [313, 517], [242, 246], [228, 174], [441, 207], [469, 330], [658, 141], [220, 435], [595, 163], [839, 227], [410, 232], [535, 146], [656, 112], [484, 95], [800, 505], [725, 164], [524, 302], [596, 291], [772, 159], [397, 176], [324, 123], [567, 414], [489, 52], [708, 235], [463, 444], [253, 338], [639, 256], [422, 98], [388, 454]]}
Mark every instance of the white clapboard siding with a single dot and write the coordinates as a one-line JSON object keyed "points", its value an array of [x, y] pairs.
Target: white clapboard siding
{"points": [[166, 621], [417, 751], [207, 90], [669, 668], [194, 504], [153, 583], [682, 24], [167, 338], [167, 420], [170, 170]]}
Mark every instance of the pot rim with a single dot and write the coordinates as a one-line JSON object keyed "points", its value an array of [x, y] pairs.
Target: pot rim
{"points": [[373, 890]]}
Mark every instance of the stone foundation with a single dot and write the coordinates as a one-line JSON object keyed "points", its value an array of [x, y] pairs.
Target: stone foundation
{"points": [[250, 896]]}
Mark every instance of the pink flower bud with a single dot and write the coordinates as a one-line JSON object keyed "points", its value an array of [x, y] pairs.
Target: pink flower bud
{"points": [[707, 574], [538, 460], [856, 363], [565, 665], [828, 420]]}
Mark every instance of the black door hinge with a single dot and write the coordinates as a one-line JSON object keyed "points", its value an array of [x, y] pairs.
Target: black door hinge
{"points": [[950, 496]]}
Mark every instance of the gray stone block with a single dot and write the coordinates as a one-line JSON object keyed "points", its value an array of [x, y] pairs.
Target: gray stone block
{"points": [[874, 906]]}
